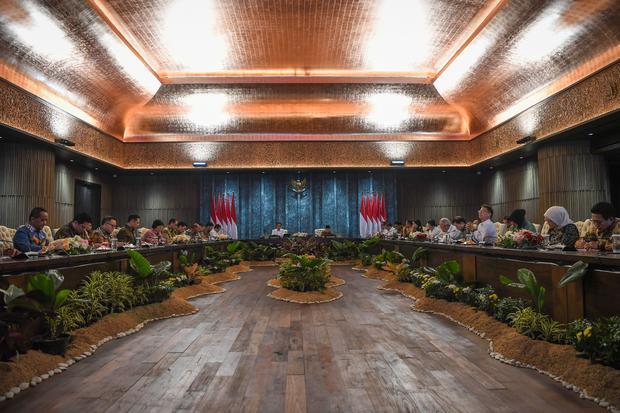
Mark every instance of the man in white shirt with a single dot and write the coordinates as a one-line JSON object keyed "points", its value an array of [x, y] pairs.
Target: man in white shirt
{"points": [[486, 232], [214, 234], [389, 232], [445, 228], [279, 231]]}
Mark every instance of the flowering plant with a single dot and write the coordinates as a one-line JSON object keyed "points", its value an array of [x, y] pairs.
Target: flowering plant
{"points": [[521, 239], [418, 235], [180, 239], [70, 246]]}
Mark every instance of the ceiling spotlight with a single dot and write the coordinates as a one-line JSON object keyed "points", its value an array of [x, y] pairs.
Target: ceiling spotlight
{"points": [[591, 134], [397, 162], [490, 167], [201, 164], [114, 176], [227, 172], [263, 172], [520, 157], [71, 160], [526, 139], [152, 173], [479, 173], [333, 172], [443, 172], [65, 142], [96, 169]]}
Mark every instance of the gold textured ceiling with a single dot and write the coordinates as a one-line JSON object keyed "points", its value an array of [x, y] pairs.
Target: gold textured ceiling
{"points": [[192, 70]]}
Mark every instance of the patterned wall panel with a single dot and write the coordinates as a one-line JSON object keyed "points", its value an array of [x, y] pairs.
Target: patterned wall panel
{"points": [[330, 199]]}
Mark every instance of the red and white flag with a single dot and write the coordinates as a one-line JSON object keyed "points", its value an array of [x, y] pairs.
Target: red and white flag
{"points": [[233, 219], [363, 218]]}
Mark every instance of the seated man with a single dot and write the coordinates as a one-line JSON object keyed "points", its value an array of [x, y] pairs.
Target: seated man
{"points": [[30, 237], [181, 228], [155, 235], [172, 229], [604, 225], [485, 232], [76, 227], [327, 231], [214, 234], [445, 228], [278, 230], [430, 227], [389, 232], [103, 234], [127, 234], [197, 232], [461, 227]]}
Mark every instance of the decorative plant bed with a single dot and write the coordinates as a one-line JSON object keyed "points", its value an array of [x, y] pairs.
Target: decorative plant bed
{"points": [[308, 297], [333, 282]]}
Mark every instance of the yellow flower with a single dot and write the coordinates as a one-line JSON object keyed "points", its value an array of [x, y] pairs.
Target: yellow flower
{"points": [[587, 332], [579, 335], [493, 297]]}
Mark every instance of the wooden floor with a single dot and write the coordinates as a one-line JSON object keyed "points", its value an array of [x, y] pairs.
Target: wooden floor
{"points": [[367, 352]]}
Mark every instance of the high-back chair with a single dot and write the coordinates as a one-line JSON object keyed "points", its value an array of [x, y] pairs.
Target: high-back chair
{"points": [[6, 237]]}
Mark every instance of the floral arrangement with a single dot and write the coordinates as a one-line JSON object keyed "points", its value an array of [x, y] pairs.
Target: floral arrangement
{"points": [[418, 235], [521, 239], [70, 246], [304, 272], [180, 239]]}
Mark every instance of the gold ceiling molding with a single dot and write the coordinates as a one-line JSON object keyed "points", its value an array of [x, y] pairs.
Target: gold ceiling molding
{"points": [[483, 62], [587, 100]]}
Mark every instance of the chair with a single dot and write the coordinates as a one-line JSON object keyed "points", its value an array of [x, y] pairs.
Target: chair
{"points": [[54, 231], [501, 229], [142, 231], [545, 229], [48, 233], [6, 237], [115, 232], [587, 226]]}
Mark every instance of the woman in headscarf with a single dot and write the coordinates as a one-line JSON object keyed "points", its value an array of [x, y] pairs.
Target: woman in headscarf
{"points": [[517, 221], [561, 228]]}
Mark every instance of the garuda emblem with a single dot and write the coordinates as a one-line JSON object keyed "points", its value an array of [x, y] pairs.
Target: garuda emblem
{"points": [[298, 185]]}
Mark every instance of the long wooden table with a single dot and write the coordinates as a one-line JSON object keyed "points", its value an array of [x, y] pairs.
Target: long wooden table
{"points": [[597, 294], [75, 268]]}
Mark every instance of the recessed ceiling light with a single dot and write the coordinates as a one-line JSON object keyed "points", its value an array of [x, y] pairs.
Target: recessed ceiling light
{"points": [[520, 157], [227, 172], [96, 169], [397, 162], [490, 167], [526, 139], [152, 173], [333, 172], [479, 173], [200, 164], [71, 160], [65, 142], [114, 176], [443, 172], [591, 134], [263, 172]]}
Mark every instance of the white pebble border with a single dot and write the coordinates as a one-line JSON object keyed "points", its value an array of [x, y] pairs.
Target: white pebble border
{"points": [[582, 393], [70, 361], [305, 302]]}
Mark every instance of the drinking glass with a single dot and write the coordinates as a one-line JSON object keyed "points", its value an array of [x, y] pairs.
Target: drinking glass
{"points": [[615, 239]]}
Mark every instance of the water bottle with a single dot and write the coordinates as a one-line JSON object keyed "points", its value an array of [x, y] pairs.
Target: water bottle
{"points": [[138, 241], [113, 241]]}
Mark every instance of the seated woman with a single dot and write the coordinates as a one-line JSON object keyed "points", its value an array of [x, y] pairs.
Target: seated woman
{"points": [[561, 228], [409, 228], [517, 221], [430, 226], [155, 235]]}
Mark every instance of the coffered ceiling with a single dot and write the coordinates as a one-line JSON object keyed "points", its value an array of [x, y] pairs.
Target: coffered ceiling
{"points": [[289, 70]]}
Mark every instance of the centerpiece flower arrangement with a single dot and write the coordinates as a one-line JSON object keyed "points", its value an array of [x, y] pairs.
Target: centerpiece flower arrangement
{"points": [[304, 272], [521, 239], [418, 235], [300, 234], [70, 246], [181, 239]]}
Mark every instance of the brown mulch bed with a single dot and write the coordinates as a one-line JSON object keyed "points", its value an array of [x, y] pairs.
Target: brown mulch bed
{"points": [[333, 282], [262, 263], [563, 361], [376, 274], [310, 297], [23, 368]]}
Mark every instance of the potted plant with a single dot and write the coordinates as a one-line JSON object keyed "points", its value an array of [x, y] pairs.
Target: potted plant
{"points": [[44, 298]]}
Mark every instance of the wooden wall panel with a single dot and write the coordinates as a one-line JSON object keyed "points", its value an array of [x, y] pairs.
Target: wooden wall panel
{"points": [[570, 176], [66, 175], [511, 187], [433, 195], [157, 197], [26, 181]]}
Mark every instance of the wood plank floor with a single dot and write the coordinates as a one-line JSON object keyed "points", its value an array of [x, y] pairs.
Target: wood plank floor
{"points": [[367, 352]]}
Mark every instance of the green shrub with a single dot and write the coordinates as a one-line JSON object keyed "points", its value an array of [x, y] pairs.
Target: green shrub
{"points": [[485, 299], [366, 259], [598, 340], [385, 257], [343, 250], [304, 273], [528, 282], [507, 306], [539, 326]]}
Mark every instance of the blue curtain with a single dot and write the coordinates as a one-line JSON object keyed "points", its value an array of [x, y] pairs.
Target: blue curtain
{"points": [[329, 199]]}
